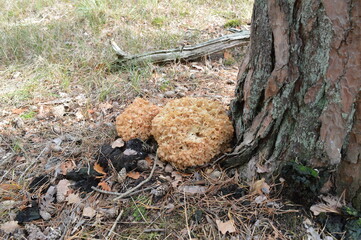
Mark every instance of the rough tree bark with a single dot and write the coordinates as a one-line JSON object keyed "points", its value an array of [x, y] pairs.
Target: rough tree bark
{"points": [[298, 95]]}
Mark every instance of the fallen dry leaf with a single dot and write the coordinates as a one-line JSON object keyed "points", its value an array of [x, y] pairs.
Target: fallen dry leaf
{"points": [[227, 55], [134, 175], [130, 152], [262, 168], [149, 160], [260, 187], [118, 143], [104, 185], [43, 112], [9, 187], [105, 106], [99, 169], [177, 179], [66, 166], [9, 227], [89, 212], [320, 208], [332, 205], [122, 175], [90, 111], [225, 227], [9, 191], [58, 111], [7, 204], [62, 190], [259, 199], [176, 175], [107, 213], [18, 110], [160, 164], [73, 198], [79, 115], [168, 168], [45, 215], [333, 201], [46, 204], [20, 159], [193, 189]]}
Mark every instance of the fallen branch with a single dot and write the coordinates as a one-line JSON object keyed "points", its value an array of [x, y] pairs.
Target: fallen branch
{"points": [[186, 52]]}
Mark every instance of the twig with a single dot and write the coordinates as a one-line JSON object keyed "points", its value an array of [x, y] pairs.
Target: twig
{"points": [[115, 224], [140, 212], [186, 215], [154, 230], [118, 194], [32, 164], [6, 158], [140, 184]]}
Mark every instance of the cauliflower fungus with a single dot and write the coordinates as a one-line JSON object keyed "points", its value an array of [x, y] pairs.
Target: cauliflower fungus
{"points": [[136, 120], [191, 131]]}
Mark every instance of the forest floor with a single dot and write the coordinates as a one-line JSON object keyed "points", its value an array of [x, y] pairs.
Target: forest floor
{"points": [[59, 101]]}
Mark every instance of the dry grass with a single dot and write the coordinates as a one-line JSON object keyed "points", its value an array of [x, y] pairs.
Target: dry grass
{"points": [[50, 47]]}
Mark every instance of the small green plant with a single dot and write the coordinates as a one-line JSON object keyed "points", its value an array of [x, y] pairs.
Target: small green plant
{"points": [[153, 235], [158, 21], [301, 169], [28, 115], [229, 61], [139, 212], [164, 85], [65, 83], [104, 94], [20, 95], [350, 211], [184, 14], [233, 23], [17, 147]]}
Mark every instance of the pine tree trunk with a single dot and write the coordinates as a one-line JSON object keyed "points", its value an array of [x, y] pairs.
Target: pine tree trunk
{"points": [[298, 95]]}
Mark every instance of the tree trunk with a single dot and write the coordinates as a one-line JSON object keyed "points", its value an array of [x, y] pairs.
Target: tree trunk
{"points": [[298, 94]]}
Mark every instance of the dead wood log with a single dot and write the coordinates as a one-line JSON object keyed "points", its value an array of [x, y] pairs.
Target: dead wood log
{"points": [[187, 52]]}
